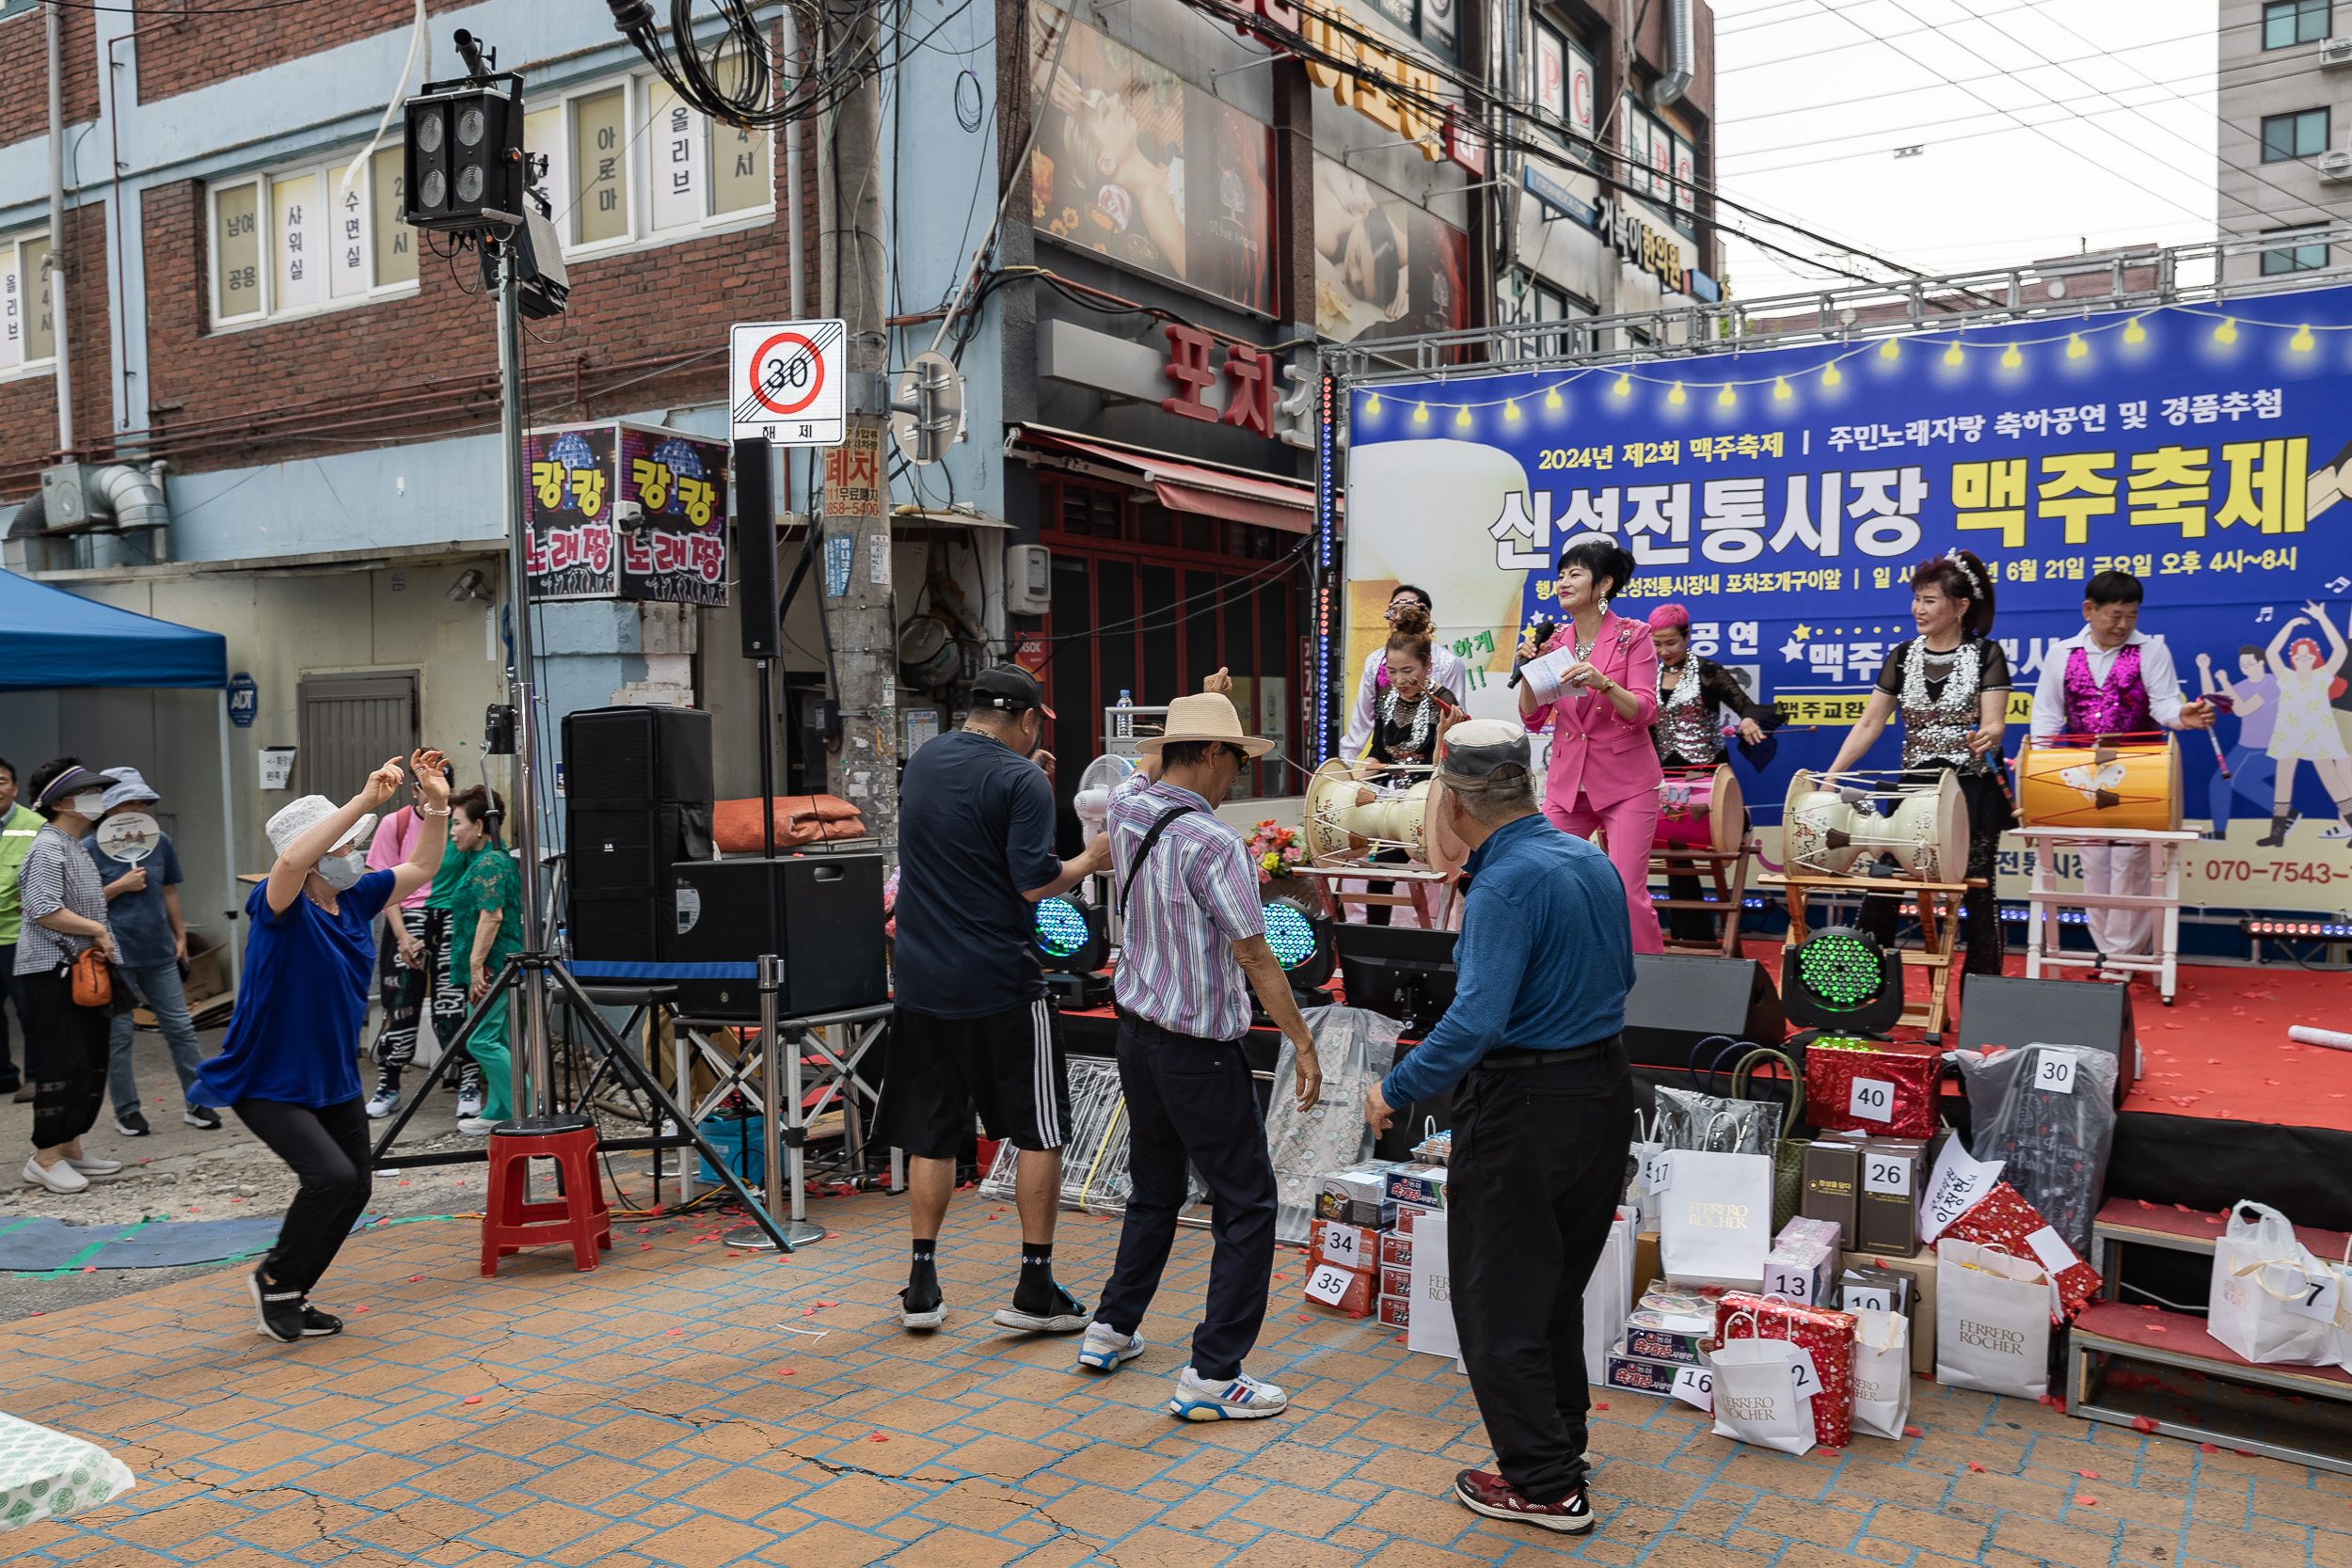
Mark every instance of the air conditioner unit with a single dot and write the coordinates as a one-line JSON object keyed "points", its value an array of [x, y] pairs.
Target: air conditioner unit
{"points": [[2334, 52], [2335, 168]]}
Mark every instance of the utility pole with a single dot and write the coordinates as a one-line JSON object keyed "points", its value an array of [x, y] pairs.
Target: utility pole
{"points": [[860, 628]]}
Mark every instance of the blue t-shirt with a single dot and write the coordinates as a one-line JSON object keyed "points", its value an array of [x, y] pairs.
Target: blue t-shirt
{"points": [[301, 1001], [976, 826], [142, 926]]}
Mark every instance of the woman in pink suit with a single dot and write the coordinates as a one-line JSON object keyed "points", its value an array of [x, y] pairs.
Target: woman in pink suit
{"points": [[1604, 772]]}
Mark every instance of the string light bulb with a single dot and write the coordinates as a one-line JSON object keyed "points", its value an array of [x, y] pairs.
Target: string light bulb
{"points": [[2076, 347], [2011, 358], [1676, 396], [1624, 387], [1372, 404], [1510, 408], [1726, 399], [1952, 355], [1831, 376], [1780, 390], [1551, 398], [2227, 331], [1890, 349], [1420, 413], [2134, 332], [2301, 342], [1462, 415]]}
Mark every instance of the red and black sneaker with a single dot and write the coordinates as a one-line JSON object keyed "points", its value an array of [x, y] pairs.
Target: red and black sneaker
{"points": [[1483, 1492]]}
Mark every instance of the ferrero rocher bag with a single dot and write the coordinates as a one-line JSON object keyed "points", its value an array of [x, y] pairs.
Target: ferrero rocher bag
{"points": [[1716, 1217], [1992, 1320]]}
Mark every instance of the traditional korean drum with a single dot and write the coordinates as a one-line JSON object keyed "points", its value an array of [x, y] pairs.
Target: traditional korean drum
{"points": [[1700, 808], [2081, 781], [1348, 819], [1837, 832]]}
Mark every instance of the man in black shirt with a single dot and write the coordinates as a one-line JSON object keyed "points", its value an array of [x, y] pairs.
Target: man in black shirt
{"points": [[976, 847]]}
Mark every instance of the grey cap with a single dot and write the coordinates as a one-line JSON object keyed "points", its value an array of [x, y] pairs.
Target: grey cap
{"points": [[1480, 749]]}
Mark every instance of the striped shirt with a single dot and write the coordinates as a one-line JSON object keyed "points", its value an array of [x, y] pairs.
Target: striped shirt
{"points": [[1195, 894], [57, 874]]}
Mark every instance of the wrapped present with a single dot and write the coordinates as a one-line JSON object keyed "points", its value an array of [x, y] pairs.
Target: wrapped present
{"points": [[2002, 1217], [1827, 1335], [1883, 1087]]}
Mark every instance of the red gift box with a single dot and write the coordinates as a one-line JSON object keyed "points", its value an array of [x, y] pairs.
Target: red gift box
{"points": [[1882, 1086], [1828, 1334], [2003, 1217]]}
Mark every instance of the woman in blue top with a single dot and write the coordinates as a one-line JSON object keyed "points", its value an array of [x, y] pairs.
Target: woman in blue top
{"points": [[289, 1066]]}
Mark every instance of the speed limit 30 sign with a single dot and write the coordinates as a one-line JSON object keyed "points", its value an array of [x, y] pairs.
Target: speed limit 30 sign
{"points": [[785, 381]]}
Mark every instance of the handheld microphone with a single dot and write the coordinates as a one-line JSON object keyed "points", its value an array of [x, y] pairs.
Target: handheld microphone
{"points": [[1542, 634]]}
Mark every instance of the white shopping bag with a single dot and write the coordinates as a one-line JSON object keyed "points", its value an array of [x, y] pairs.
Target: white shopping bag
{"points": [[2273, 1301], [1608, 1294], [1717, 1219], [1757, 1399], [1881, 1373], [1429, 1326], [1642, 1190], [1992, 1320]]}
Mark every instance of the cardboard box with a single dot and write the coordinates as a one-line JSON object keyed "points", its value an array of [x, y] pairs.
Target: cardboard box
{"points": [[1663, 1345], [1354, 1296], [1833, 1183], [1420, 1185], [1406, 1213], [1357, 1196], [1893, 1172], [1350, 1247], [1638, 1376], [1896, 1289], [1396, 1250], [1396, 1311], [1396, 1282], [204, 969], [1920, 1271]]}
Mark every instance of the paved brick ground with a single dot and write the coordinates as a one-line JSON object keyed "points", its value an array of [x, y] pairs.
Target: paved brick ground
{"points": [[663, 1410]]}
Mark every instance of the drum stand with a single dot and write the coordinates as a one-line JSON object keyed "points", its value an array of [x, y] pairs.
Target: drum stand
{"points": [[1939, 931], [1727, 904], [2044, 900]]}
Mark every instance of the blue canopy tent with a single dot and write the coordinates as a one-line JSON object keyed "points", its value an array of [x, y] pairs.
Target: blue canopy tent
{"points": [[50, 639]]}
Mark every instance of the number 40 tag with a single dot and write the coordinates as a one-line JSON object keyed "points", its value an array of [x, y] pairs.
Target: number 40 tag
{"points": [[1871, 1099]]}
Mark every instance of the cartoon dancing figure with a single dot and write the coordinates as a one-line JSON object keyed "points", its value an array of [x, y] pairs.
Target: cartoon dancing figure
{"points": [[2305, 730]]}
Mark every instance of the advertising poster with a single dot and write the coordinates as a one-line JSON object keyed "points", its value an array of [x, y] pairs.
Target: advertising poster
{"points": [[680, 554], [1783, 497], [1133, 163], [1384, 268], [570, 553]]}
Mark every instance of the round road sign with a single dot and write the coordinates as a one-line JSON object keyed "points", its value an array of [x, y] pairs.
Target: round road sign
{"points": [[785, 379]]}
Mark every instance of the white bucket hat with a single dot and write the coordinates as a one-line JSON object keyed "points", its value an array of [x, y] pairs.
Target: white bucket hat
{"points": [[1206, 716], [297, 817]]}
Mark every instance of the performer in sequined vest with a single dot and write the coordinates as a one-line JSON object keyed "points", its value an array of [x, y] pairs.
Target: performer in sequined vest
{"points": [[1688, 733], [2111, 679]]}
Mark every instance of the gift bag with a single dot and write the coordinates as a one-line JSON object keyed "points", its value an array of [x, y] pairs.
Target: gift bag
{"points": [[2047, 1112], [1885, 1088], [2004, 1218], [1716, 1221], [1756, 1398], [1688, 1119], [1638, 1189], [1788, 1149], [2267, 1290], [1430, 1329], [1882, 1373], [1357, 1048], [1607, 1296], [1992, 1319], [1824, 1335]]}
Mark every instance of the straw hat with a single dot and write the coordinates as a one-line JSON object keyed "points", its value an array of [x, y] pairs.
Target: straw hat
{"points": [[296, 818], [1206, 716]]}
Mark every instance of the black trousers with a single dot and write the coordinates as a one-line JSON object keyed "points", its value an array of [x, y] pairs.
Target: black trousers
{"points": [[1537, 1171], [65, 1057], [1191, 1098], [327, 1147]]}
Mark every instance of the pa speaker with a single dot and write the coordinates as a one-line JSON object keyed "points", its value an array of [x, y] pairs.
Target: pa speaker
{"points": [[1680, 999], [1996, 1009], [822, 914], [760, 613], [637, 789]]}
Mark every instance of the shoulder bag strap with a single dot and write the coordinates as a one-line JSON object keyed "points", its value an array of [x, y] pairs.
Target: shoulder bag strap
{"points": [[1149, 838]]}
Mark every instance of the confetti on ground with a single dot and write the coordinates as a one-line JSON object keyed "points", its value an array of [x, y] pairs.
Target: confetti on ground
{"points": [[1915, 1432], [1974, 1466], [474, 1399], [878, 1437], [2142, 1424], [1600, 1408], [2087, 1475], [2086, 1502], [2207, 1448]]}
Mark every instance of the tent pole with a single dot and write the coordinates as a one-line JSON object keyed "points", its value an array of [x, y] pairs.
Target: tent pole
{"points": [[229, 848]]}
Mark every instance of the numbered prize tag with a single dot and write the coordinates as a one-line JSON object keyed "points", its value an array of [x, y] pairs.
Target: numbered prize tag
{"points": [[1871, 1099], [1343, 1245], [1657, 1172], [2051, 1247], [2053, 1069], [1866, 1298], [1885, 1173], [2315, 1298], [1696, 1385], [1782, 1280], [1807, 1381], [1328, 1285]]}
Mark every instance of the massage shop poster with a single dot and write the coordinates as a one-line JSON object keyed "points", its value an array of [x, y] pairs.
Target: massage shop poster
{"points": [[1783, 496]]}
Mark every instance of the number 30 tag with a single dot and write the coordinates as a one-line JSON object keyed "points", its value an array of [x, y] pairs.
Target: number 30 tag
{"points": [[2053, 1071]]}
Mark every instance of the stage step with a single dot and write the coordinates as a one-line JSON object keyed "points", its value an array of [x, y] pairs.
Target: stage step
{"points": [[2135, 1222], [2302, 1415]]}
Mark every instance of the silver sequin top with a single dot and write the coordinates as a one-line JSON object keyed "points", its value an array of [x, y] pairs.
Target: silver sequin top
{"points": [[1936, 729]]}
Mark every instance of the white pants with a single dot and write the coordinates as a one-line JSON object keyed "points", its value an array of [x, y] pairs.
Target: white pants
{"points": [[2118, 868]]}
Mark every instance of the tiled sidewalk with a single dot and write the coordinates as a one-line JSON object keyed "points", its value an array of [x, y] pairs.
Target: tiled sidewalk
{"points": [[661, 1410]]}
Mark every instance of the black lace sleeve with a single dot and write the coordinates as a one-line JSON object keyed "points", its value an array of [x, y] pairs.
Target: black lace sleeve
{"points": [[1992, 666], [1891, 672], [1718, 686]]}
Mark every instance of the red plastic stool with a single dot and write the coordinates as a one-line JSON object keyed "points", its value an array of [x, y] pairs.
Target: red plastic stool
{"points": [[509, 1224]]}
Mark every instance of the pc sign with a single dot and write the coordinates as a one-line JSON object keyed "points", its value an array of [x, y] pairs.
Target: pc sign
{"points": [[785, 381]]}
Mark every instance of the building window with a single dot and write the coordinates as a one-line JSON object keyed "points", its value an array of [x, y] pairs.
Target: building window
{"points": [[2296, 258], [296, 240], [2288, 22], [2297, 135], [29, 324], [630, 163]]}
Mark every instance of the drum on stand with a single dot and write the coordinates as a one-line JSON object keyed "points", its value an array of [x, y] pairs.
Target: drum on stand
{"points": [[1838, 830], [1700, 808], [1348, 818], [2095, 782]]}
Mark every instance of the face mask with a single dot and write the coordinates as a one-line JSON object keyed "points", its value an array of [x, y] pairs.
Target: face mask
{"points": [[87, 805], [342, 872]]}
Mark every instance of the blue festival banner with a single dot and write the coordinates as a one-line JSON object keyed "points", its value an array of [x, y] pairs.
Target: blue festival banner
{"points": [[1783, 495]]}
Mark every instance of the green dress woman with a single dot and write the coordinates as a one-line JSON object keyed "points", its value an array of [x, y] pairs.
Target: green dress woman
{"points": [[486, 929]]}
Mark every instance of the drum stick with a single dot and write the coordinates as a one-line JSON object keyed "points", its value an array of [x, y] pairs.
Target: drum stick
{"points": [[2332, 1038], [2219, 760]]}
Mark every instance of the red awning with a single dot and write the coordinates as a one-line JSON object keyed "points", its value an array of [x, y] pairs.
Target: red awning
{"points": [[1192, 487]]}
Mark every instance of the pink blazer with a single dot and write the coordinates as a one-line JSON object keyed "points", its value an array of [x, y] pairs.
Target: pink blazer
{"points": [[1593, 750]]}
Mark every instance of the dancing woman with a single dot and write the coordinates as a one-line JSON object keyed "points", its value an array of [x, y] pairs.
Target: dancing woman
{"points": [[1691, 694]]}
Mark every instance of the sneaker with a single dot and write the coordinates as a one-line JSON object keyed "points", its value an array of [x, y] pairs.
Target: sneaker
{"points": [[1066, 1315], [89, 1166], [912, 1316], [203, 1116], [1242, 1398], [24, 1095], [475, 1127], [470, 1094], [386, 1100], [1483, 1492], [279, 1312], [1105, 1348], [316, 1323], [131, 1124], [60, 1178]]}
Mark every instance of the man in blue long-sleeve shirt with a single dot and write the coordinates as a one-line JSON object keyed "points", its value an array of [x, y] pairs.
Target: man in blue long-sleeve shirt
{"points": [[1543, 1118]]}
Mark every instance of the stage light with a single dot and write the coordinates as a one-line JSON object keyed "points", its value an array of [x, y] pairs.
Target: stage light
{"points": [[1890, 349], [2134, 332], [1510, 408], [1068, 936], [1420, 413], [1624, 387], [463, 155], [2011, 359], [1372, 404], [2301, 342], [2298, 930], [1842, 980], [1953, 357], [1462, 415], [1676, 396], [1301, 939], [1552, 399], [1780, 390]]}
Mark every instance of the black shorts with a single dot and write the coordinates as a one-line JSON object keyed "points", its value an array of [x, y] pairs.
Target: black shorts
{"points": [[1009, 1066]]}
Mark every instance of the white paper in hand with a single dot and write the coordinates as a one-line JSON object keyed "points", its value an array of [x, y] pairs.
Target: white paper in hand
{"points": [[1958, 1181]]}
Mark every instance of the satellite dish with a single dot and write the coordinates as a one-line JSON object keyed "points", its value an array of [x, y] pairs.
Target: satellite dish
{"points": [[129, 836], [1092, 801]]}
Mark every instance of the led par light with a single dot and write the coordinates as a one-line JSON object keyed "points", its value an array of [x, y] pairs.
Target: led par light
{"points": [[1840, 978], [1301, 939], [1068, 936]]}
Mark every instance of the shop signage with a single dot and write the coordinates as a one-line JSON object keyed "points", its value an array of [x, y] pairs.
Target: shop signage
{"points": [[245, 700], [1439, 137], [672, 547], [1643, 247]]}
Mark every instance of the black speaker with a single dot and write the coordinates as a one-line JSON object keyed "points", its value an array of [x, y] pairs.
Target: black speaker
{"points": [[1997, 1009], [821, 913], [1680, 999], [758, 611], [637, 786]]}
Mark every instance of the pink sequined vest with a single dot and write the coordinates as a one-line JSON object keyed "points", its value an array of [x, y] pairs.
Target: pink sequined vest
{"points": [[2118, 707]]}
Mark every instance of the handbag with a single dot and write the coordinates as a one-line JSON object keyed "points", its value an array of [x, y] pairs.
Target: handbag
{"points": [[1886, 1087], [92, 979], [1788, 1149], [1882, 1373], [1687, 1118], [1714, 1228], [2263, 1282], [1992, 1319]]}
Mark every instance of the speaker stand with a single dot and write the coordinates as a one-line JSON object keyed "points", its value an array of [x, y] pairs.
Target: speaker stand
{"points": [[1938, 905]]}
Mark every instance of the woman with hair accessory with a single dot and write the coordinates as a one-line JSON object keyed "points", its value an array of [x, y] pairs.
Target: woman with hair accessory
{"points": [[1950, 684], [1412, 712], [1447, 669], [1603, 771], [2305, 730], [289, 1066], [65, 919], [1691, 694]]}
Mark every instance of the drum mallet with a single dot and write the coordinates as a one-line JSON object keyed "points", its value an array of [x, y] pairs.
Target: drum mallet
{"points": [[2335, 1039], [2219, 760]]}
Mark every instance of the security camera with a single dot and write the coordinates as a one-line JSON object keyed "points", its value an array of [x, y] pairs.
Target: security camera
{"points": [[468, 586]]}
